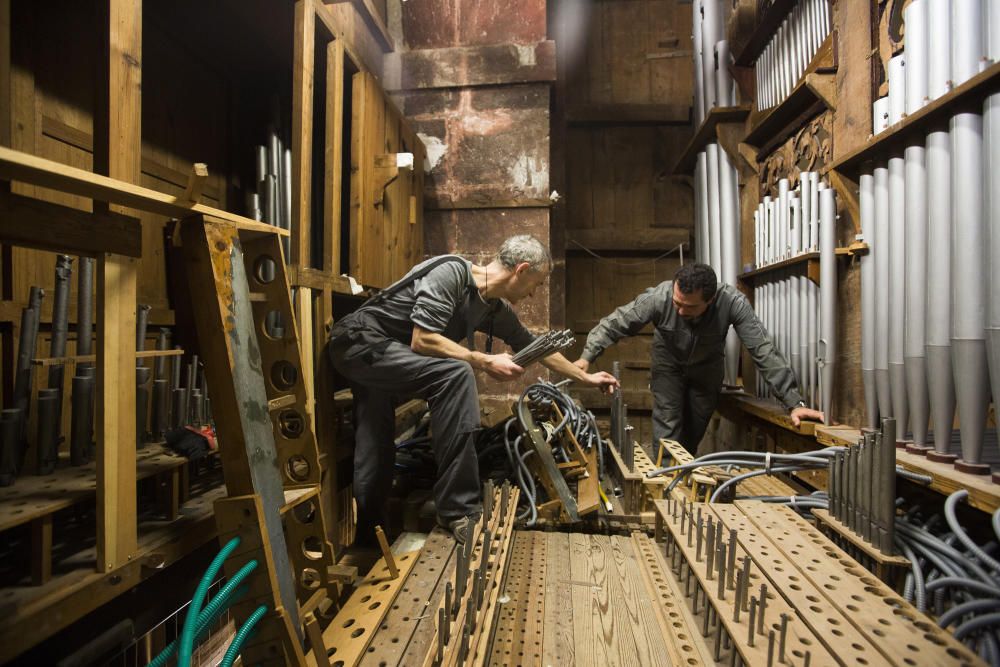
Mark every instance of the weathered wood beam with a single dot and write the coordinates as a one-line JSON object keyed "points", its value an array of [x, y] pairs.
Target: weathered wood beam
{"points": [[302, 128], [34, 223], [118, 142], [334, 155], [34, 170]]}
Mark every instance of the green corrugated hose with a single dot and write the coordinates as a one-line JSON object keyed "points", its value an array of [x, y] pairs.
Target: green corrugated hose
{"points": [[222, 600], [194, 609], [241, 636]]}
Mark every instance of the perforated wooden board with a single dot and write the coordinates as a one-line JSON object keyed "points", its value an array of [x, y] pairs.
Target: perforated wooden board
{"points": [[518, 636], [799, 637], [871, 606], [353, 627]]}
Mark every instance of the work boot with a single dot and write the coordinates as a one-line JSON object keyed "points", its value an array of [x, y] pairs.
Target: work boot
{"points": [[462, 528]]}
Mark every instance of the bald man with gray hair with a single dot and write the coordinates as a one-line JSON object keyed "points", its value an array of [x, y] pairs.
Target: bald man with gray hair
{"points": [[404, 343]]}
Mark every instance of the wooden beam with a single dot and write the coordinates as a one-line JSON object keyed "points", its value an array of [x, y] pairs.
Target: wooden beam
{"points": [[466, 66], [302, 129], [375, 21], [652, 238], [34, 170], [33, 223], [196, 181], [624, 114], [118, 142], [333, 160]]}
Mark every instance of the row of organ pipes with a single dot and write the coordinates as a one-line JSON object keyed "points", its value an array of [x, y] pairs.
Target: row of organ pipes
{"points": [[800, 316], [716, 201], [930, 212]]}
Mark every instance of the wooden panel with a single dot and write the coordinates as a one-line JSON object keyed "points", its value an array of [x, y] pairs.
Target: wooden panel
{"points": [[386, 240], [334, 155], [302, 120]]}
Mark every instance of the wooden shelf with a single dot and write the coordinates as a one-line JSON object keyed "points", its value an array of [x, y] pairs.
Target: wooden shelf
{"points": [[968, 97], [814, 94], [983, 493], [764, 31], [706, 134], [809, 259], [767, 409]]}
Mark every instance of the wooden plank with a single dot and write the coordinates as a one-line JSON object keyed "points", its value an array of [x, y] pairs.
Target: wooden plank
{"points": [[767, 25], [845, 584], [707, 133], [302, 119], [628, 113], [6, 89], [967, 97], [634, 611], [649, 238], [33, 223], [558, 644], [376, 23], [34, 170], [587, 651], [333, 158]]}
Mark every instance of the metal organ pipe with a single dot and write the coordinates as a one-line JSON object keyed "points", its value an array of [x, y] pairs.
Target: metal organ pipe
{"points": [[940, 378], [968, 333], [699, 72], [711, 32], [828, 297], [866, 202], [991, 136], [701, 198], [714, 214], [880, 253], [915, 264]]}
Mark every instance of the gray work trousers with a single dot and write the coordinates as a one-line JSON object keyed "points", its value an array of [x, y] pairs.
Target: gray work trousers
{"points": [[684, 398], [379, 381]]}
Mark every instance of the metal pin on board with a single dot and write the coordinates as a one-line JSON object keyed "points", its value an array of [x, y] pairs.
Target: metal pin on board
{"points": [[706, 617], [701, 527], [448, 603], [441, 635], [751, 625], [718, 642], [683, 518], [770, 648], [731, 565], [763, 608], [710, 549], [721, 562], [781, 637], [746, 581], [690, 529], [737, 602]]}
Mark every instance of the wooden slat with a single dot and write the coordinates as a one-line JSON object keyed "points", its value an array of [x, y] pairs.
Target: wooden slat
{"points": [[706, 134], [34, 223], [302, 114], [587, 650], [633, 608], [34, 170], [333, 159], [558, 645]]}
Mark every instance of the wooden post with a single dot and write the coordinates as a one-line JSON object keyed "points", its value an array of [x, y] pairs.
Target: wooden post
{"points": [[302, 112], [334, 155], [117, 149]]}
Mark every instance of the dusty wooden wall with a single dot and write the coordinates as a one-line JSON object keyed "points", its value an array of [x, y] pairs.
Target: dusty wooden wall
{"points": [[624, 92]]}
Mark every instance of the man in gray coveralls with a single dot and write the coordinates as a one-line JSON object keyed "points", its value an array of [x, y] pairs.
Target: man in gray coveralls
{"points": [[692, 315], [404, 343]]}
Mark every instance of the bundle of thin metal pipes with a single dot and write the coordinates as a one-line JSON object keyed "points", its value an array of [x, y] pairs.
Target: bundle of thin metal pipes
{"points": [[787, 55], [930, 296], [862, 487], [621, 434], [543, 346], [800, 316]]}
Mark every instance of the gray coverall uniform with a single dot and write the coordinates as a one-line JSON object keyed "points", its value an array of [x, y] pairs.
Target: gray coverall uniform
{"points": [[688, 356], [371, 349]]}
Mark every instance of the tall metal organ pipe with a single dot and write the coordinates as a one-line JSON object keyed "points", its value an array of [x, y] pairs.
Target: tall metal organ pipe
{"points": [[880, 253], [940, 378], [968, 328], [991, 136], [828, 297], [866, 202]]}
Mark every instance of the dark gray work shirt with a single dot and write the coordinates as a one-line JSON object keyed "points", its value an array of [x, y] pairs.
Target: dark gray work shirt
{"points": [[445, 301], [699, 346]]}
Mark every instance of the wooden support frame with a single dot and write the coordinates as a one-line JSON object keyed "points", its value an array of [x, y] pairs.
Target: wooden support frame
{"points": [[302, 129]]}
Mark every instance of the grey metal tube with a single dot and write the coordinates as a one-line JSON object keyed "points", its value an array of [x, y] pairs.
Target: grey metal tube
{"points": [[828, 297], [940, 376], [991, 136], [866, 202], [48, 433], [161, 408], [711, 32], [701, 206], [897, 290], [723, 79], [85, 306], [915, 272], [60, 331], [714, 212], [82, 419], [27, 344], [699, 72], [887, 485], [880, 255], [968, 328]]}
